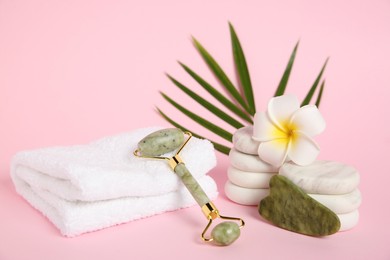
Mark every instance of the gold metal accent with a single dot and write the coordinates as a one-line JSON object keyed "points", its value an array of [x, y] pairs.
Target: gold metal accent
{"points": [[205, 230], [188, 139], [174, 161], [210, 211], [136, 153]]}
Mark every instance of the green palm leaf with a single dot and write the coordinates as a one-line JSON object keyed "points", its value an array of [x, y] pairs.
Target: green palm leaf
{"points": [[242, 69], [220, 74], [320, 94], [218, 96], [219, 147], [200, 120], [286, 75], [213, 109], [314, 86], [241, 103]]}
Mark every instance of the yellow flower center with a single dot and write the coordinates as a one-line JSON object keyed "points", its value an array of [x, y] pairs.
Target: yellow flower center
{"points": [[283, 137], [291, 134]]}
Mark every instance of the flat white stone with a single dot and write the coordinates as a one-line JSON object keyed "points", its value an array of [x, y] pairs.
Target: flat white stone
{"points": [[249, 163], [348, 220], [322, 177], [251, 180], [243, 142], [245, 196], [340, 204]]}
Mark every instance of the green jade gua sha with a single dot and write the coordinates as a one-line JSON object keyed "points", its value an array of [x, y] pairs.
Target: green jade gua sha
{"points": [[168, 140]]}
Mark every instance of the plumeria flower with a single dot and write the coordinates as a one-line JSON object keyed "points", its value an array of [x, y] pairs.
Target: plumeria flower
{"points": [[286, 131]]}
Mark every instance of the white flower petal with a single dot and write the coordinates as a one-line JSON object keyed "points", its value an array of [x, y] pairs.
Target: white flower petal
{"points": [[280, 109], [303, 150], [274, 152], [264, 129], [309, 120]]}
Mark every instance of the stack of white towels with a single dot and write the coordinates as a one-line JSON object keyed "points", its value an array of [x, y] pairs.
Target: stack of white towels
{"points": [[248, 175], [89, 187]]}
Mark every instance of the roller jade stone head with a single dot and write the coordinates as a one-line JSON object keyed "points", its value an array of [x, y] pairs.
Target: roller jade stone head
{"points": [[167, 140]]}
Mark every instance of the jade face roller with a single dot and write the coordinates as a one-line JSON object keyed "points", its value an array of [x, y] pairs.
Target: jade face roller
{"points": [[168, 140]]}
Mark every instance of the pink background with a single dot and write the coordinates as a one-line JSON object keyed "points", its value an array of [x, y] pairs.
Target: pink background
{"points": [[74, 71]]}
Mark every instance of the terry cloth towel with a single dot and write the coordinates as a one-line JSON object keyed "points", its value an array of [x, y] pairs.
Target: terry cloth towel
{"points": [[89, 187]]}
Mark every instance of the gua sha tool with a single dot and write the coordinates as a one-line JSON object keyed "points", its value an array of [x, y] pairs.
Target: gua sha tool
{"points": [[289, 207], [168, 140]]}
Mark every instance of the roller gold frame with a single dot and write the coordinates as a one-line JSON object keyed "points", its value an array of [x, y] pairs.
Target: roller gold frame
{"points": [[209, 209]]}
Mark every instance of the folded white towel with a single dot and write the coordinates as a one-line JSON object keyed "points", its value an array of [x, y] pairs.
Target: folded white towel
{"points": [[107, 168], [73, 218], [89, 187]]}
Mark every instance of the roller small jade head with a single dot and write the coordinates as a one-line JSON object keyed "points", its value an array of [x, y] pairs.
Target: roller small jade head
{"points": [[168, 140]]}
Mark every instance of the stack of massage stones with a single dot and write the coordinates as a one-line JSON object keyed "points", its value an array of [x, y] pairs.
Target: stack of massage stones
{"points": [[248, 175], [333, 184]]}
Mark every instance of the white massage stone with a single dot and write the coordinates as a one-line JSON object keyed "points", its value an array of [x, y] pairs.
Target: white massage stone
{"points": [[249, 163], [245, 196], [322, 177], [252, 180], [348, 220], [243, 142], [340, 204]]}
